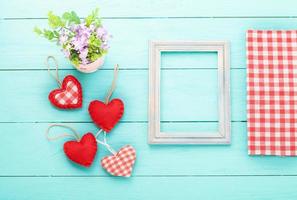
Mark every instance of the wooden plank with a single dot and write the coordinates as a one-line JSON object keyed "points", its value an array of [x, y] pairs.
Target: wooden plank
{"points": [[28, 99], [26, 152], [22, 49], [226, 188], [147, 8]]}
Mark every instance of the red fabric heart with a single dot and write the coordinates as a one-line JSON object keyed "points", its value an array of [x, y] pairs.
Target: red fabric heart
{"points": [[106, 116], [69, 96], [120, 164], [82, 152]]}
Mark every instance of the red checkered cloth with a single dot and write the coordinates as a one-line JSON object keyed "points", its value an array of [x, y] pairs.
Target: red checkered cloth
{"points": [[69, 96], [120, 164], [272, 92]]}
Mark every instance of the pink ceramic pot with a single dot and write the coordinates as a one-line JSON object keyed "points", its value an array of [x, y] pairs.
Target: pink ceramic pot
{"points": [[91, 67]]}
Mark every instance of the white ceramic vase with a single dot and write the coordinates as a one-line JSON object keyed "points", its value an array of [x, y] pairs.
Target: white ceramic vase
{"points": [[91, 67]]}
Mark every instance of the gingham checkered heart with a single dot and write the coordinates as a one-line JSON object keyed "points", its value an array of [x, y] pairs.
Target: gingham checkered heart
{"points": [[69, 96], [120, 164], [272, 92]]}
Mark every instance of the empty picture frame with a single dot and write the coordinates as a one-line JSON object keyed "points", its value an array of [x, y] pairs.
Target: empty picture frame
{"points": [[155, 135]]}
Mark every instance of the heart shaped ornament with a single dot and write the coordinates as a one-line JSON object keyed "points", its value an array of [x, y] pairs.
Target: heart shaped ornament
{"points": [[69, 96], [106, 116], [82, 152], [120, 164]]}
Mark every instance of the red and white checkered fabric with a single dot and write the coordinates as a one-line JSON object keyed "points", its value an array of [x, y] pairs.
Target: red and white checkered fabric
{"points": [[120, 164], [69, 96], [272, 92]]}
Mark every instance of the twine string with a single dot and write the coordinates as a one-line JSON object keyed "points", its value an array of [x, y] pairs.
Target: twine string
{"points": [[108, 96], [104, 143], [113, 85], [56, 76], [98, 133], [74, 133], [104, 138]]}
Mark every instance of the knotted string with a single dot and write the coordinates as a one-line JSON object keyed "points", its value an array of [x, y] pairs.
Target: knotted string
{"points": [[98, 133], [56, 77], [113, 84], [107, 98], [74, 135], [104, 143]]}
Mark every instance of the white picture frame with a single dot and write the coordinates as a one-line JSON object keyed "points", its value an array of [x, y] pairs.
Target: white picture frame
{"points": [[223, 135]]}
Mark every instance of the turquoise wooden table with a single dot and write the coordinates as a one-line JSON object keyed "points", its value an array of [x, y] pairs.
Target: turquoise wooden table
{"points": [[33, 168]]}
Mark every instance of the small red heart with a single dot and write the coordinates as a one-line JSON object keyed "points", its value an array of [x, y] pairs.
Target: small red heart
{"points": [[120, 164], [82, 152], [69, 96], [106, 116]]}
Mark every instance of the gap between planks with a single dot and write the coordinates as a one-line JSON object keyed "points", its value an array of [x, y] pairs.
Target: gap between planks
{"points": [[146, 176], [88, 122], [123, 69]]}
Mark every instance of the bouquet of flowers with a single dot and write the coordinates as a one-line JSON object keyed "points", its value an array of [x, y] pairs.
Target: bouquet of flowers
{"points": [[83, 42]]}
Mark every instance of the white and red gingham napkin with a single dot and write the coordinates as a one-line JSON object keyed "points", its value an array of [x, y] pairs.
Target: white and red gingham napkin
{"points": [[272, 92]]}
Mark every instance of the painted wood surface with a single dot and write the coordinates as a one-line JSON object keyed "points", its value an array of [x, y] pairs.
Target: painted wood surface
{"points": [[33, 168], [175, 188], [148, 8], [28, 51], [132, 88], [35, 156]]}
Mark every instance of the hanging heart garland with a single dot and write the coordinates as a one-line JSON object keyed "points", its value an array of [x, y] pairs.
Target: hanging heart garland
{"points": [[107, 115], [81, 150], [69, 95], [121, 163]]}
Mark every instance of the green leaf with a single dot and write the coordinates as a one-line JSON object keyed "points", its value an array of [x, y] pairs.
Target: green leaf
{"points": [[66, 16], [94, 41], [94, 56], [71, 17], [95, 51], [56, 34], [55, 21], [37, 30], [74, 58], [48, 34], [75, 17], [93, 18]]}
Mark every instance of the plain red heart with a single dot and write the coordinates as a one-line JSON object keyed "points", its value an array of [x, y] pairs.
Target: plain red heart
{"points": [[106, 116], [120, 164], [82, 152], [69, 96]]}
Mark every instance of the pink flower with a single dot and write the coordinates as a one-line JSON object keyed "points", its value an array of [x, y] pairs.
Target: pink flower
{"points": [[83, 56], [105, 46], [63, 37], [101, 31]]}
